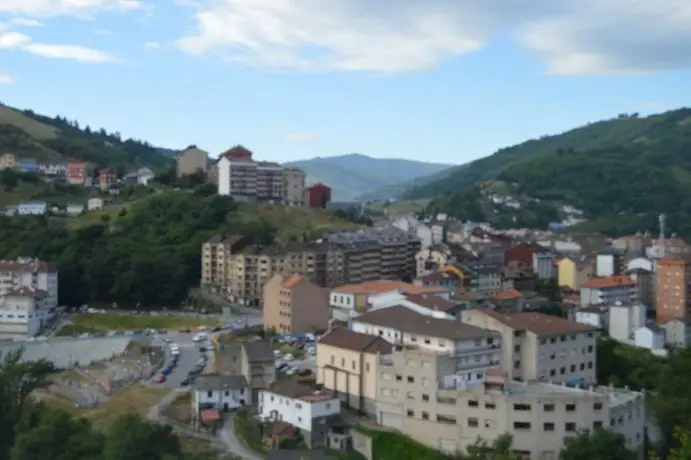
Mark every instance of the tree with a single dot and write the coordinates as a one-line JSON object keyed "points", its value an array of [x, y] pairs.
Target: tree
{"points": [[598, 444], [500, 449], [131, 438], [9, 179], [682, 439]]}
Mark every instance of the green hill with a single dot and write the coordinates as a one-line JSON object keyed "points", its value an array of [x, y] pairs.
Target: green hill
{"points": [[30, 135], [357, 176], [620, 172]]}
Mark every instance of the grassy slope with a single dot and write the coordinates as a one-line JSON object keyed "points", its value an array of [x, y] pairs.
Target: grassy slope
{"points": [[32, 127]]}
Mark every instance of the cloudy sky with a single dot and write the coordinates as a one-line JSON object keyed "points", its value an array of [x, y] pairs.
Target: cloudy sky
{"points": [[437, 80]]}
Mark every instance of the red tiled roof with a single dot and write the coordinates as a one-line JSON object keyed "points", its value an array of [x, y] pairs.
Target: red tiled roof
{"points": [[605, 282], [210, 415], [509, 294], [437, 276], [291, 281]]}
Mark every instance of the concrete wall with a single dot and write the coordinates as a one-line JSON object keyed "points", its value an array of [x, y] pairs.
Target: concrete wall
{"points": [[362, 444], [66, 352]]}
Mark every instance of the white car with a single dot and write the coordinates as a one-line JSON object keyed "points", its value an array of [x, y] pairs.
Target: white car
{"points": [[288, 357]]}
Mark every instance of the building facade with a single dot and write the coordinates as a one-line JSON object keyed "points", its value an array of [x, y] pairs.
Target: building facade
{"points": [[294, 305], [30, 273], [293, 187], [672, 299], [318, 196], [192, 160], [608, 290]]}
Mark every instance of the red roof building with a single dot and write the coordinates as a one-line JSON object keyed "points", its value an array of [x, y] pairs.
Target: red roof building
{"points": [[318, 196]]}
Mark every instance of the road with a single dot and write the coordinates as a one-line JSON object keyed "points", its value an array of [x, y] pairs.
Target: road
{"points": [[234, 445]]}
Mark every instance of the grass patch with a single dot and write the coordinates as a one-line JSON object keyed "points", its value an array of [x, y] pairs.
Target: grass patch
{"points": [[387, 445], [32, 127], [58, 402], [134, 398], [195, 448], [399, 207], [110, 321], [69, 330]]}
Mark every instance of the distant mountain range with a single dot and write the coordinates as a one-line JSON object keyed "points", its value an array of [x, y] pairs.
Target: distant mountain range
{"points": [[356, 176]]}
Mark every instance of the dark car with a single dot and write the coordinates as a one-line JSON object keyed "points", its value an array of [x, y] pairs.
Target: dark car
{"points": [[186, 381], [185, 331]]}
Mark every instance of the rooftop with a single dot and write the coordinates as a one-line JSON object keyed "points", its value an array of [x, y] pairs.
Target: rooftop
{"points": [[297, 390], [220, 382], [431, 301], [605, 282], [435, 277], [381, 286], [27, 292], [538, 323], [509, 294], [291, 281], [616, 396], [258, 350], [26, 265], [355, 341], [406, 320]]}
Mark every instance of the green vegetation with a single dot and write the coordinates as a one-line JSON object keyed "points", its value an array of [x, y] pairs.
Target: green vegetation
{"points": [[27, 134], [249, 430], [17, 187], [149, 255], [112, 321], [621, 172], [34, 431], [358, 176]]}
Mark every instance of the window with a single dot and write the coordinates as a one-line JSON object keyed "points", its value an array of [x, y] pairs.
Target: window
{"points": [[573, 368], [570, 427], [425, 415], [209, 393], [517, 364], [597, 406], [328, 405], [443, 400], [399, 378], [342, 362], [353, 364], [552, 372], [367, 367], [590, 364], [298, 406], [490, 405], [597, 425], [472, 403], [409, 395], [425, 397], [411, 379], [521, 425], [446, 419], [590, 348], [570, 408], [562, 371], [548, 426], [517, 348], [548, 407], [473, 423], [521, 407], [410, 413], [226, 393]]}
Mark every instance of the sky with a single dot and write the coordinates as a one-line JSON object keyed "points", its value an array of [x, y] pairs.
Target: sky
{"points": [[443, 81]]}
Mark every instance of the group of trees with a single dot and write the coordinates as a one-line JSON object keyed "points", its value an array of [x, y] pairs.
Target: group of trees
{"points": [[33, 431], [148, 254]]}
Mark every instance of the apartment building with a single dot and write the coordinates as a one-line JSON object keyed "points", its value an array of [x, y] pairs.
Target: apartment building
{"points": [[293, 304], [541, 347], [438, 256], [293, 187], [673, 278], [608, 290], [471, 351], [377, 253], [23, 312], [318, 196], [79, 173], [351, 300], [347, 364], [245, 179], [192, 160], [30, 273], [538, 415], [238, 271], [574, 271]]}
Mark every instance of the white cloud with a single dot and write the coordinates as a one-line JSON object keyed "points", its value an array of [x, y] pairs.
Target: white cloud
{"points": [[68, 7], [26, 22], [300, 137], [572, 37], [12, 40], [152, 45], [5, 77], [70, 52]]}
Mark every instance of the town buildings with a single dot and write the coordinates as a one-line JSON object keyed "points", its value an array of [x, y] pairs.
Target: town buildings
{"points": [[318, 196], [252, 360], [221, 392], [608, 290], [672, 299], [79, 173], [574, 271], [293, 304], [192, 160], [293, 187]]}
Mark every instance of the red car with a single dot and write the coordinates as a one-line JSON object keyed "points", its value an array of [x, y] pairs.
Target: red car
{"points": [[162, 331], [161, 378]]}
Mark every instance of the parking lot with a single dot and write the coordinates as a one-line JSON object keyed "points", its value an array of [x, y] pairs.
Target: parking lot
{"points": [[295, 354]]}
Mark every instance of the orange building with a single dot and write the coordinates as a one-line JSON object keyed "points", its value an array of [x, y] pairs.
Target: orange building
{"points": [[672, 298]]}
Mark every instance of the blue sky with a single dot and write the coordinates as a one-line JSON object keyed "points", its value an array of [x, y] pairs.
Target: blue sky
{"points": [[444, 81]]}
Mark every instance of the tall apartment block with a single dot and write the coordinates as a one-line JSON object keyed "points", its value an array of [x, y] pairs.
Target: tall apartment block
{"points": [[238, 271], [672, 299], [245, 179], [377, 253]]}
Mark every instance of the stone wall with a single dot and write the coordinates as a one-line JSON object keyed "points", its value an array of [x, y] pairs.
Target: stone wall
{"points": [[362, 443]]}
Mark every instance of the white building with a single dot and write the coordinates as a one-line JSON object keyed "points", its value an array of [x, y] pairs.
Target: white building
{"points": [[476, 350], [544, 264], [302, 407], [144, 176], [592, 315], [222, 392], [624, 319], [94, 204], [607, 290], [26, 272], [32, 209], [424, 304], [74, 209], [651, 337], [52, 169], [23, 312], [413, 225]]}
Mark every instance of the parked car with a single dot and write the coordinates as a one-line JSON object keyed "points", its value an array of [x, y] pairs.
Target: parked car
{"points": [[166, 371], [161, 378]]}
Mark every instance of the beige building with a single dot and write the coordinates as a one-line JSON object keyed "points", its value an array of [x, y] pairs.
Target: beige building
{"points": [[252, 359], [8, 160], [238, 271], [538, 415], [541, 347], [347, 364], [293, 304], [191, 160], [293, 187]]}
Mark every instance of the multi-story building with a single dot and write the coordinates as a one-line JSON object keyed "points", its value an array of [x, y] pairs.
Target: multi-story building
{"points": [[672, 297], [293, 187], [624, 319], [243, 178], [254, 360], [238, 270], [438, 256], [293, 304], [541, 347], [413, 399], [609, 261], [573, 272], [608, 290], [192, 160], [23, 312], [470, 351], [30, 273], [106, 178], [79, 173], [347, 364], [318, 196], [52, 169], [377, 253]]}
